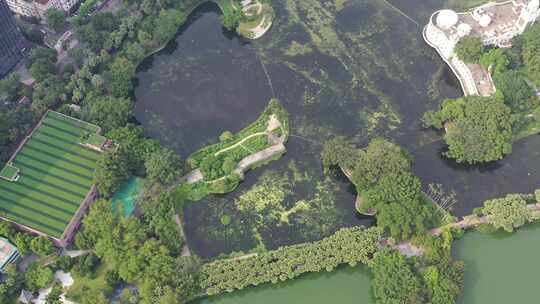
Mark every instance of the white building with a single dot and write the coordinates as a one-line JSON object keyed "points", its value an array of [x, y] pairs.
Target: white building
{"points": [[494, 23], [23, 7], [37, 8]]}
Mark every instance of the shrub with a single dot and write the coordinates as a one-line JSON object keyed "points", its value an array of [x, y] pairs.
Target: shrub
{"points": [[226, 136], [470, 49]]}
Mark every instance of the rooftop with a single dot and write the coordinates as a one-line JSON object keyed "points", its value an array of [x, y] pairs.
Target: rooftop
{"points": [[486, 21], [7, 252]]}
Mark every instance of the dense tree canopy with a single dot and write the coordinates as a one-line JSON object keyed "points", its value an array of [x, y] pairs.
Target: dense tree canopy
{"points": [[56, 19], [134, 146], [135, 251], [495, 60], [232, 19], [163, 166], [515, 90], [531, 52], [509, 212], [394, 281], [339, 151], [111, 171], [379, 159], [42, 63], [470, 49], [9, 86], [401, 208], [347, 246], [478, 129], [109, 112], [37, 277]]}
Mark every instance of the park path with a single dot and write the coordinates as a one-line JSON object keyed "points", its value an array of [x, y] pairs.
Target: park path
{"points": [[258, 31], [247, 8], [185, 250], [239, 143]]}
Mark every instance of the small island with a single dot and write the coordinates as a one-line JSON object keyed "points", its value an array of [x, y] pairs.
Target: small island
{"points": [[219, 168], [249, 18]]}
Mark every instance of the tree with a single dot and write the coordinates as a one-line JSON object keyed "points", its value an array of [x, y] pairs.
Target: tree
{"points": [[163, 166], [232, 19], [470, 49], [109, 112], [400, 205], [515, 90], [11, 285], [9, 86], [228, 165], [509, 212], [48, 92], [444, 281], [135, 147], [38, 276], [531, 53], [118, 77], [95, 298], [111, 171], [225, 136], [166, 25], [393, 279], [537, 195], [54, 296], [339, 151], [379, 159], [42, 246], [496, 61], [42, 63], [134, 52], [96, 224], [56, 19], [478, 129]]}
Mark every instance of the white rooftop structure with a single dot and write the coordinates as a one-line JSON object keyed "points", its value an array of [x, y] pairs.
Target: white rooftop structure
{"points": [[495, 23], [447, 18]]}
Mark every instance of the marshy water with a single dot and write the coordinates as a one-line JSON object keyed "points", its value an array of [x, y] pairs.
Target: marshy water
{"points": [[356, 68]]}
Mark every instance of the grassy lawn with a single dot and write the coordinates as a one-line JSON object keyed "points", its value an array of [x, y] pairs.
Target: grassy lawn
{"points": [[85, 283]]}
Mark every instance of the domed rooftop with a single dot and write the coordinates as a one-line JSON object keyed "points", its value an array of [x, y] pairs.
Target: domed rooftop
{"points": [[447, 18], [463, 29]]}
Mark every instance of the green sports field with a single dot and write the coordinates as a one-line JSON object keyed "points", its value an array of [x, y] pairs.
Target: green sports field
{"points": [[55, 175]]}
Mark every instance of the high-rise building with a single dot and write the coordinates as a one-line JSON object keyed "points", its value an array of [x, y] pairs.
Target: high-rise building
{"points": [[12, 43]]}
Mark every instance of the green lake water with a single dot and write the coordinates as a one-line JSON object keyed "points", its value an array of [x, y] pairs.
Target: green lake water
{"points": [[500, 268], [348, 285], [127, 196]]}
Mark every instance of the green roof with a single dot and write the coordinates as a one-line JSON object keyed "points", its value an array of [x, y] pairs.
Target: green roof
{"points": [[96, 140], [9, 172], [55, 175]]}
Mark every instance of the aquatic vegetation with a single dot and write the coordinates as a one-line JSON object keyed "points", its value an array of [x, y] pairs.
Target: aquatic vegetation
{"points": [[298, 49], [347, 246]]}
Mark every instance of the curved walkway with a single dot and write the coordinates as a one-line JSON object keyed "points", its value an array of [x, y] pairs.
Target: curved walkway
{"points": [[258, 31]]}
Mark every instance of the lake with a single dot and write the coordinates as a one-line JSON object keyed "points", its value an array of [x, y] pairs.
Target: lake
{"points": [[354, 68], [501, 268]]}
